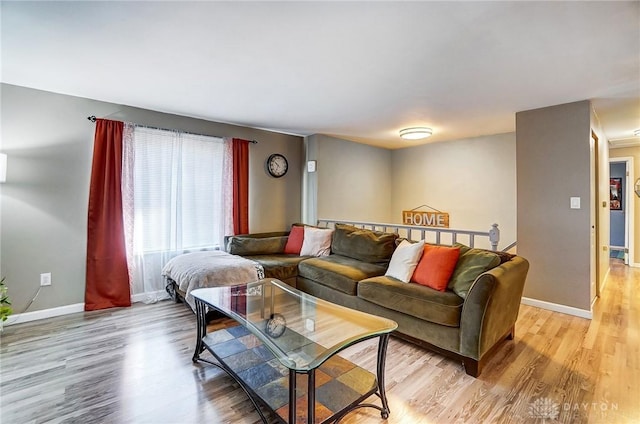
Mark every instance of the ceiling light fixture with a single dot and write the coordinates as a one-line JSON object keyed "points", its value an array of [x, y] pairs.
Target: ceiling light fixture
{"points": [[416, 133], [637, 133]]}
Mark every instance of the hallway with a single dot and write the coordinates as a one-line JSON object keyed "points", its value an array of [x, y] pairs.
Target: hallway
{"points": [[615, 334]]}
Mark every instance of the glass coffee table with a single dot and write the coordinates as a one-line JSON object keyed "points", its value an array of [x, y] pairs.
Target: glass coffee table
{"points": [[283, 353]]}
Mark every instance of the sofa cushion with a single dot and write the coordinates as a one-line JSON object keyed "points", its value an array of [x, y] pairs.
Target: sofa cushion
{"points": [[413, 299], [244, 246], [281, 266], [338, 272], [436, 266], [316, 242], [369, 246], [471, 264], [294, 241], [404, 260], [504, 256]]}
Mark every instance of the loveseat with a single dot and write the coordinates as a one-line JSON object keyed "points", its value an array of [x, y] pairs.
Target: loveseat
{"points": [[467, 321]]}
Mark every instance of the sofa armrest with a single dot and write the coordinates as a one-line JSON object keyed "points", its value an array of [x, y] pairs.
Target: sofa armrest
{"points": [[256, 244], [491, 307], [256, 235]]}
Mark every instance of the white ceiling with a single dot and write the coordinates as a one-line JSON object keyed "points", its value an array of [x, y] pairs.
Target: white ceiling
{"points": [[355, 70]]}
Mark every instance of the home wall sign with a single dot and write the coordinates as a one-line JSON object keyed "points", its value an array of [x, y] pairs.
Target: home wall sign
{"points": [[425, 219]]}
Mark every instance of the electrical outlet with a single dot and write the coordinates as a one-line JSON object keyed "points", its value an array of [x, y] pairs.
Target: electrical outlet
{"points": [[45, 279]]}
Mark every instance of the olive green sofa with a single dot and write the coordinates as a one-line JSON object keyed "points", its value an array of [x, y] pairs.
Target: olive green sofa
{"points": [[468, 326]]}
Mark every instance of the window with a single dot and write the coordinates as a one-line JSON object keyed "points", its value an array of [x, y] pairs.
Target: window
{"points": [[176, 199], [177, 191]]}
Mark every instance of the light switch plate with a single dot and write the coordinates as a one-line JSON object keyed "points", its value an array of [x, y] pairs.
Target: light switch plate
{"points": [[575, 203], [311, 166]]}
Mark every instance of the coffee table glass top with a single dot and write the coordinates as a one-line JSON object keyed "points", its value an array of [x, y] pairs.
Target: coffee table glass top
{"points": [[301, 331]]}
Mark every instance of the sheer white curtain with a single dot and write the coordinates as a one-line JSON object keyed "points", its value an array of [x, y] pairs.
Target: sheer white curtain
{"points": [[177, 198]]}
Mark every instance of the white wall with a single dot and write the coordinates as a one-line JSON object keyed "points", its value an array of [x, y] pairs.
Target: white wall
{"points": [[474, 180]]}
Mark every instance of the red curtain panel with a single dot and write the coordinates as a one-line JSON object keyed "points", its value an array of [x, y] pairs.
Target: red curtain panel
{"points": [[107, 282], [240, 186]]}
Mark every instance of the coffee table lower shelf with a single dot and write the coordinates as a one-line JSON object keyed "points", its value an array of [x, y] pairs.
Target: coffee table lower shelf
{"points": [[339, 385]]}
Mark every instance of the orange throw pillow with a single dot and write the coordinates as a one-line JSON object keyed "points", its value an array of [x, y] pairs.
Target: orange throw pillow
{"points": [[436, 266], [294, 242]]}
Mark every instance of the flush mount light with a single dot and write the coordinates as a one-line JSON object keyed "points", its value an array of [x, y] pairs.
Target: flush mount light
{"points": [[416, 133], [637, 133]]}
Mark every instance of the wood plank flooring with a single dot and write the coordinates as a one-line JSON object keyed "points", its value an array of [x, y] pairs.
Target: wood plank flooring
{"points": [[133, 365]]}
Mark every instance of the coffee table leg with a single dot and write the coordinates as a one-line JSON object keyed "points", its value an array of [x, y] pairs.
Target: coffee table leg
{"points": [[201, 329], [382, 355], [292, 396], [311, 397]]}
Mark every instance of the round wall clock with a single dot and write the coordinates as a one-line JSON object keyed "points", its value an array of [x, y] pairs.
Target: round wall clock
{"points": [[277, 165], [276, 325]]}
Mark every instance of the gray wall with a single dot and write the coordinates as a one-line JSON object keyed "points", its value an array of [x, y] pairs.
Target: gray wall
{"points": [[310, 181], [49, 143], [553, 164], [353, 180]]}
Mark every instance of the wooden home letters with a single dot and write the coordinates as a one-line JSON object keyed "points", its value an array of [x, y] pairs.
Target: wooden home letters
{"points": [[426, 219]]}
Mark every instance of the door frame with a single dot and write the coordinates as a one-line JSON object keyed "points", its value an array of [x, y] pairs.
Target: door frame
{"points": [[629, 212], [594, 268]]}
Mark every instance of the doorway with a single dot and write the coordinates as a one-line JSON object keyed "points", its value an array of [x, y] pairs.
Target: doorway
{"points": [[621, 209]]}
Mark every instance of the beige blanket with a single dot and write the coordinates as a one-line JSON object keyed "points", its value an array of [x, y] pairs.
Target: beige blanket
{"points": [[210, 269]]}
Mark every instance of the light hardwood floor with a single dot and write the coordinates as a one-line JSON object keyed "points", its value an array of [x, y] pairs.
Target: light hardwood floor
{"points": [[134, 365]]}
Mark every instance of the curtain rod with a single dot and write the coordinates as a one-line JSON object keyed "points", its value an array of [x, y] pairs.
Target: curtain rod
{"points": [[92, 118]]}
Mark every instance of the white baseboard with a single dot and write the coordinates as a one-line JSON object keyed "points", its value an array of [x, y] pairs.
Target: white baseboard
{"points": [[44, 313], [148, 297], [564, 309]]}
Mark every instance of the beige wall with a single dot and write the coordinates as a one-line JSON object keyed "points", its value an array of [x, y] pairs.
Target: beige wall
{"points": [[353, 180], [633, 152], [43, 220], [554, 164], [474, 180]]}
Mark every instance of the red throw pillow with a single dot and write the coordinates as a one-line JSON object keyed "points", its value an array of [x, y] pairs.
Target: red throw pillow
{"points": [[436, 266], [294, 242]]}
